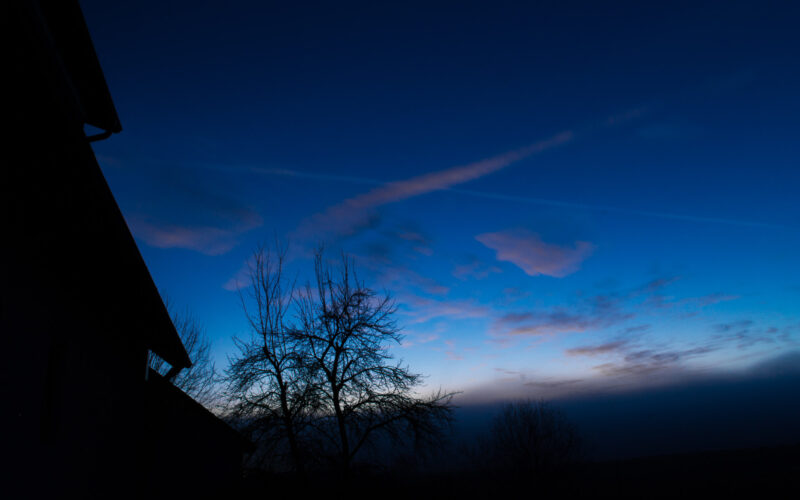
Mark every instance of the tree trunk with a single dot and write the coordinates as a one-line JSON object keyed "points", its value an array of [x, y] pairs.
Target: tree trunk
{"points": [[345, 444], [291, 435]]}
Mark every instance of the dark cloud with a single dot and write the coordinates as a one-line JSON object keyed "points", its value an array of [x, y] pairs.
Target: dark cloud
{"points": [[628, 353], [508, 372], [635, 329], [747, 333], [404, 280], [471, 267], [592, 313], [553, 384], [546, 323], [713, 298], [652, 296], [512, 295], [654, 285], [594, 350], [633, 356], [419, 240], [389, 256], [180, 211], [378, 250], [742, 326], [418, 309], [395, 243], [637, 362]]}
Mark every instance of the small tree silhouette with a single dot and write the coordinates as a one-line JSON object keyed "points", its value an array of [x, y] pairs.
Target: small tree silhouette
{"points": [[199, 380], [532, 437]]}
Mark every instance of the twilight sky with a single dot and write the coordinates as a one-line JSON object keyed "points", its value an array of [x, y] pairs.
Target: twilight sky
{"points": [[563, 198]]}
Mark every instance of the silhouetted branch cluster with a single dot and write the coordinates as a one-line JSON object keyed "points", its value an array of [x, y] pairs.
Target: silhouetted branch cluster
{"points": [[198, 381], [531, 438], [270, 383], [321, 379]]}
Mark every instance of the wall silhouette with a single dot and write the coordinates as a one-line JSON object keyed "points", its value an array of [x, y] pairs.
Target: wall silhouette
{"points": [[80, 311]]}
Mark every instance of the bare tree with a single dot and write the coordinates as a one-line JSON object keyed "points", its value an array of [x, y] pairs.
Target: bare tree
{"points": [[532, 437], [270, 387], [199, 380], [316, 370], [346, 331]]}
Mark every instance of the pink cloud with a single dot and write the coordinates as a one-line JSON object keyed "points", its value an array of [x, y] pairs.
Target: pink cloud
{"points": [[347, 217], [528, 252], [422, 309], [421, 244], [420, 339], [393, 275], [453, 356], [594, 350], [588, 316], [711, 299], [241, 279], [474, 269], [402, 277], [554, 322], [209, 240]]}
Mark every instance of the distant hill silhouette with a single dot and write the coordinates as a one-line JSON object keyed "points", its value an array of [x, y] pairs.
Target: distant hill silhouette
{"points": [[756, 408]]}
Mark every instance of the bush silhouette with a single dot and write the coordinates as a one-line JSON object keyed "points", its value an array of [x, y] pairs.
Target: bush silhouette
{"points": [[532, 437]]}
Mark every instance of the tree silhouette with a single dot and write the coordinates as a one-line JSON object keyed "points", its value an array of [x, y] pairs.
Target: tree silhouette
{"points": [[198, 381], [316, 372], [270, 386], [532, 437], [346, 330]]}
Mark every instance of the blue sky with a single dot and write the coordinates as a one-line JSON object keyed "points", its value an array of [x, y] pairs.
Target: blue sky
{"points": [[562, 197]]}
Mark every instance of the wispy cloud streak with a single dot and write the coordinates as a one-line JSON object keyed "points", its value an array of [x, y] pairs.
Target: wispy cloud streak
{"points": [[556, 321], [530, 200], [206, 239], [616, 210], [346, 217], [594, 350], [421, 309]]}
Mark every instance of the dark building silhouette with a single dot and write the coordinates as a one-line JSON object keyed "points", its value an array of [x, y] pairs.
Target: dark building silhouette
{"points": [[79, 314]]}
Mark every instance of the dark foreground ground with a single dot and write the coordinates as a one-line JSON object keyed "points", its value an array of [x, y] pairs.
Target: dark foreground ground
{"points": [[763, 473]]}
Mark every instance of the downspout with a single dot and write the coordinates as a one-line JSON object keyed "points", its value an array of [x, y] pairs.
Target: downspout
{"points": [[99, 137]]}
